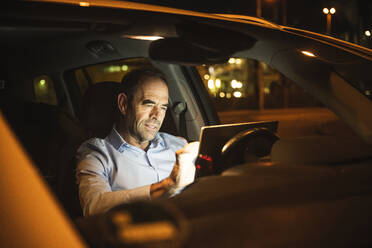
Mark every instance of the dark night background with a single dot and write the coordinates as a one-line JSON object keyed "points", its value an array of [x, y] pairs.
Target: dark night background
{"points": [[351, 20]]}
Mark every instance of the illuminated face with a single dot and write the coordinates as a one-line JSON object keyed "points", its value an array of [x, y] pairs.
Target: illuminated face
{"points": [[146, 112]]}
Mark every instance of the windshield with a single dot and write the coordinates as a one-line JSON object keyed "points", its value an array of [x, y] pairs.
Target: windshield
{"points": [[244, 90], [243, 83]]}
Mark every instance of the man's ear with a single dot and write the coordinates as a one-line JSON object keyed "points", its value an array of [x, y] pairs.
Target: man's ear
{"points": [[122, 103]]}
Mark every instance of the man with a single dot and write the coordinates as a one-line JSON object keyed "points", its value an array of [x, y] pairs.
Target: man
{"points": [[135, 161]]}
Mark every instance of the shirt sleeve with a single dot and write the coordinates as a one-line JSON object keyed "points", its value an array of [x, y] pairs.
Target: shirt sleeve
{"points": [[95, 193]]}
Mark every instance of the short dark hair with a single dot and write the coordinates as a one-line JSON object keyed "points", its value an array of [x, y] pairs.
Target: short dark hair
{"points": [[133, 79]]}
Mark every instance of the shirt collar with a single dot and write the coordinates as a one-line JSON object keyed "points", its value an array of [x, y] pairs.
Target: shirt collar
{"points": [[115, 139], [158, 140]]}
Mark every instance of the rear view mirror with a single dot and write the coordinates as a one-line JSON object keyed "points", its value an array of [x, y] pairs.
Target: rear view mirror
{"points": [[198, 44], [178, 51]]}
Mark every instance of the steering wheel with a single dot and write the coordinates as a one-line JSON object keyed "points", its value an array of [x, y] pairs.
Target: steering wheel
{"points": [[247, 146]]}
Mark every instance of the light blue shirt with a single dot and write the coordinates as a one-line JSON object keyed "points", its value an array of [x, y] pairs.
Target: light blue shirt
{"points": [[110, 171]]}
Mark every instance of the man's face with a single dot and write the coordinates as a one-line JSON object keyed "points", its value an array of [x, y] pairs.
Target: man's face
{"points": [[147, 111]]}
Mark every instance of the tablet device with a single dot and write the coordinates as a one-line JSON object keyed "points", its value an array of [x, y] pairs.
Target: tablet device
{"points": [[213, 138]]}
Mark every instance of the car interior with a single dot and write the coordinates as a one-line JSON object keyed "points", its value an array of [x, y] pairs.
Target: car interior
{"points": [[59, 78], [59, 74], [58, 84]]}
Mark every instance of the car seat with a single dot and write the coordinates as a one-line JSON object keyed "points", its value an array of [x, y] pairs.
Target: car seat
{"points": [[50, 136], [99, 108]]}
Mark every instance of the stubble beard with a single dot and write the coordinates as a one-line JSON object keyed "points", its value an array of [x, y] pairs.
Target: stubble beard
{"points": [[142, 134]]}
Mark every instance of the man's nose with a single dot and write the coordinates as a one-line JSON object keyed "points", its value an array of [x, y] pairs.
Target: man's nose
{"points": [[155, 113]]}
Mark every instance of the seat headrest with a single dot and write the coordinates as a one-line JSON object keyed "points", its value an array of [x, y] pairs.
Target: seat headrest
{"points": [[99, 108]]}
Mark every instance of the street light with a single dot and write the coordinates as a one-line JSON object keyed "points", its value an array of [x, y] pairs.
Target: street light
{"points": [[329, 13]]}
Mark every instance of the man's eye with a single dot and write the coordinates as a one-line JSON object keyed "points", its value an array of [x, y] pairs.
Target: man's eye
{"points": [[164, 108]]}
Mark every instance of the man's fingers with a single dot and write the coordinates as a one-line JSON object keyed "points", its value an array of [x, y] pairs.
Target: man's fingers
{"points": [[175, 171], [191, 148]]}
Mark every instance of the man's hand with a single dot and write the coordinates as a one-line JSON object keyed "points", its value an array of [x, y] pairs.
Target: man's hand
{"points": [[186, 164], [183, 172]]}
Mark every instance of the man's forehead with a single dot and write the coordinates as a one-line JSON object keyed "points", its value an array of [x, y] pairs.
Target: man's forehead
{"points": [[152, 88]]}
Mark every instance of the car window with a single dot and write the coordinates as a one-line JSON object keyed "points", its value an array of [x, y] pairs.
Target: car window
{"points": [[111, 71], [235, 85], [44, 90], [246, 90]]}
